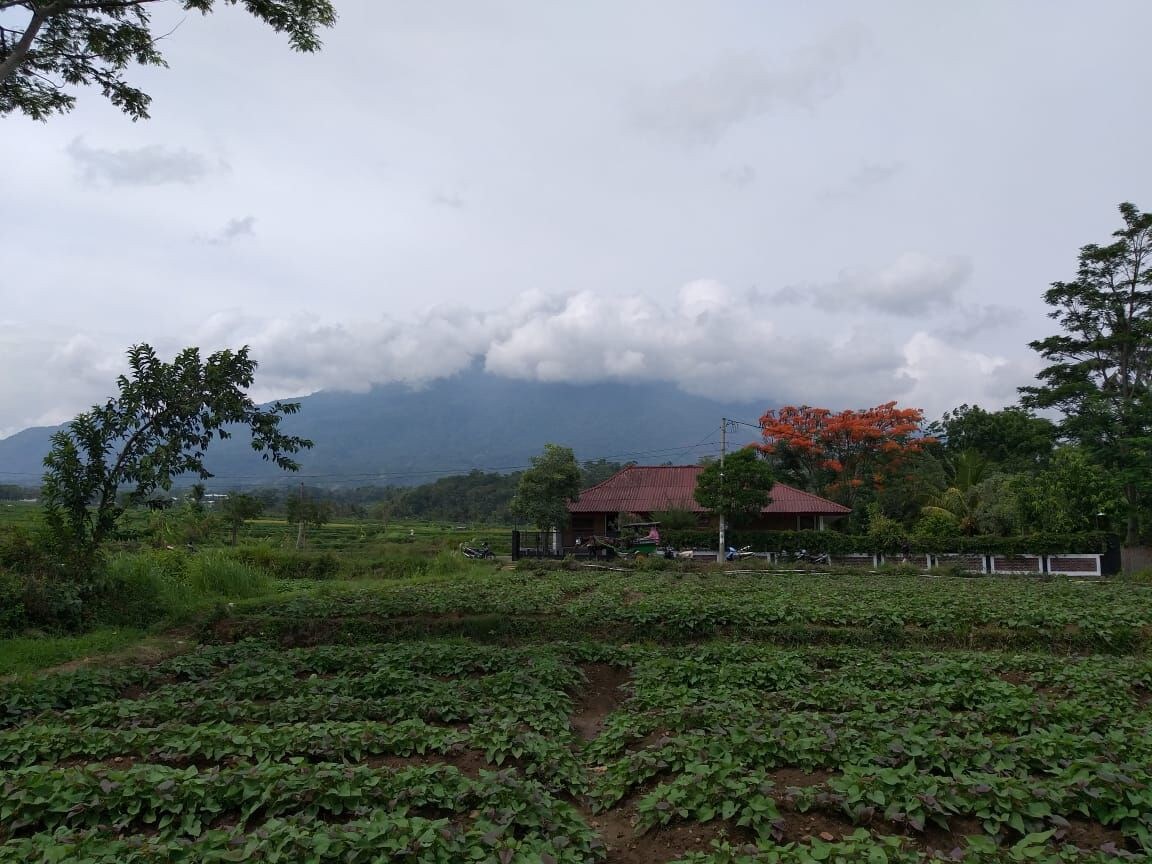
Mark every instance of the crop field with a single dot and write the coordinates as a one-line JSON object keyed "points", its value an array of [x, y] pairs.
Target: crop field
{"points": [[576, 717]]}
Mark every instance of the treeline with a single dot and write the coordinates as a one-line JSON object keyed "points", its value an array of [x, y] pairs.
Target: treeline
{"points": [[477, 497], [13, 492]]}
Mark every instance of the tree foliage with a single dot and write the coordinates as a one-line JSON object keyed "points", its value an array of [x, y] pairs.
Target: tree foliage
{"points": [[156, 429], [599, 470], [1101, 364], [61, 44], [1013, 439], [237, 509], [739, 488], [1073, 493], [311, 511], [546, 488], [837, 453]]}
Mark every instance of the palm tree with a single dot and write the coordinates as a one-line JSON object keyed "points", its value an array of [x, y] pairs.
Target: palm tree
{"points": [[964, 497]]}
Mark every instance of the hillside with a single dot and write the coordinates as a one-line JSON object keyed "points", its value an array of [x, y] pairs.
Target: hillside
{"points": [[393, 434]]}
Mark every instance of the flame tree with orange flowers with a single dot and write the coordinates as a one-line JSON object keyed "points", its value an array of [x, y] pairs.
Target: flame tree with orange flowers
{"points": [[839, 452]]}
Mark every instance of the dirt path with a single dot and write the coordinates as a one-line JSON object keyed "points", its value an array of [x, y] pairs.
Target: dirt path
{"points": [[599, 697]]}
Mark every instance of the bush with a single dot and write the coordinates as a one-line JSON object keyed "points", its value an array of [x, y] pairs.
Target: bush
{"points": [[13, 618], [284, 564], [143, 588]]}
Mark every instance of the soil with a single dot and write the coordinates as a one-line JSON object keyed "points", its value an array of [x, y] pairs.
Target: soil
{"points": [[598, 698], [625, 846]]}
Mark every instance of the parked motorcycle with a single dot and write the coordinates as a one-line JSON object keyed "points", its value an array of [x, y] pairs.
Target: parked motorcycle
{"points": [[734, 554], [803, 556], [481, 551]]}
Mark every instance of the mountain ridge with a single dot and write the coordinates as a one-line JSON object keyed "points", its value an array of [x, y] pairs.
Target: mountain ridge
{"points": [[394, 434]]}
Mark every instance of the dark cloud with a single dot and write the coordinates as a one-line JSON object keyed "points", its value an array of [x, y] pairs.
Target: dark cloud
{"points": [[912, 285], [868, 176], [701, 109], [152, 165], [234, 229], [965, 322], [451, 200], [740, 176]]}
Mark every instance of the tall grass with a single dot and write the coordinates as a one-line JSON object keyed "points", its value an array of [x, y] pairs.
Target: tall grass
{"points": [[144, 588], [215, 574]]}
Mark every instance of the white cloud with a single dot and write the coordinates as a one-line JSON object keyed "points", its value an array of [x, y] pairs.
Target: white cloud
{"points": [[152, 165], [945, 375]]}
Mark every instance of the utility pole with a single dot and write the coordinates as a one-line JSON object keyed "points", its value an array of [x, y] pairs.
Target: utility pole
{"points": [[723, 450], [300, 518]]}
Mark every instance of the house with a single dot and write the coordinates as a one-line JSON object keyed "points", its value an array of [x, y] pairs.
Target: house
{"points": [[644, 490]]}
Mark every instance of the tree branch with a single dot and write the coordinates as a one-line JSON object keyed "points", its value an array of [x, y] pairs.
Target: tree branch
{"points": [[20, 50]]}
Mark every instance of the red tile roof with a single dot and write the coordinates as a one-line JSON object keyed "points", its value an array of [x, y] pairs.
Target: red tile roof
{"points": [[644, 489]]}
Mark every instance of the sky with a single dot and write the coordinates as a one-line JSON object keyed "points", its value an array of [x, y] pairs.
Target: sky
{"points": [[834, 204]]}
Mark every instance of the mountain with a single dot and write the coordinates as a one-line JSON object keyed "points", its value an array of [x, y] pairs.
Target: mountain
{"points": [[394, 434]]}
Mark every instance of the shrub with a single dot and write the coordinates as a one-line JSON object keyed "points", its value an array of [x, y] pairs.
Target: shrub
{"points": [[13, 619], [140, 589], [286, 564]]}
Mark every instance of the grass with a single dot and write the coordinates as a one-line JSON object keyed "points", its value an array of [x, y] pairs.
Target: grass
{"points": [[23, 655]]}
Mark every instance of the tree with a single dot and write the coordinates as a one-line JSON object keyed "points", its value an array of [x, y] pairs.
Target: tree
{"points": [[69, 43], [593, 472], [546, 488], [1072, 494], [237, 509], [304, 512], [1013, 439], [839, 452], [156, 429], [739, 489], [1101, 365], [967, 497]]}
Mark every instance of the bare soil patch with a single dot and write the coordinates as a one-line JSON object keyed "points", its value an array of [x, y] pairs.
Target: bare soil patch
{"points": [[599, 697]]}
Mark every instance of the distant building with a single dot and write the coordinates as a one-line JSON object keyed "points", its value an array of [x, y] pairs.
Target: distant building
{"points": [[644, 490]]}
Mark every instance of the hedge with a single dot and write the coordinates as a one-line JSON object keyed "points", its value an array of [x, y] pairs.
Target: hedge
{"points": [[836, 543]]}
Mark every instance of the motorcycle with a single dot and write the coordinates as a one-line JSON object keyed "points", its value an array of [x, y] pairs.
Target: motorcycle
{"points": [[734, 554], [803, 556], [481, 551]]}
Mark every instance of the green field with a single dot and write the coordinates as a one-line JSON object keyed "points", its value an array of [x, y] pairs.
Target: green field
{"points": [[579, 716]]}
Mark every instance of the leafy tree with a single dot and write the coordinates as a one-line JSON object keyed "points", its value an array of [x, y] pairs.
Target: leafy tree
{"points": [[68, 43], [237, 509], [546, 488], [1013, 439], [593, 472], [473, 497], [677, 517], [1101, 364], [1068, 495], [739, 489], [156, 429], [307, 512], [838, 453]]}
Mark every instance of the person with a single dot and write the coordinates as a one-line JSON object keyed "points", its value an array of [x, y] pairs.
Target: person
{"points": [[654, 534], [730, 555]]}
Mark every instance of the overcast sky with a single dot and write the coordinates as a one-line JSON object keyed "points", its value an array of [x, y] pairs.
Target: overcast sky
{"points": [[835, 204]]}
